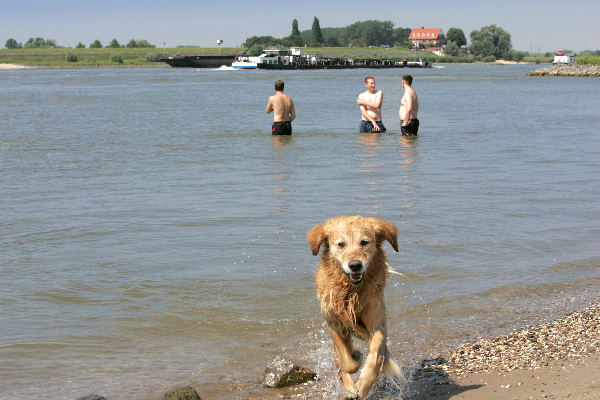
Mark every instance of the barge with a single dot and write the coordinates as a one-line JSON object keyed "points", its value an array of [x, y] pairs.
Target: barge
{"points": [[209, 61], [287, 60], [294, 59]]}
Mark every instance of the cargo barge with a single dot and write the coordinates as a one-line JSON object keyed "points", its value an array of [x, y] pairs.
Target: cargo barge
{"points": [[198, 61], [294, 59]]}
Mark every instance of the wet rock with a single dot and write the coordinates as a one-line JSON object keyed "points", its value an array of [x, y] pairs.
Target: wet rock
{"points": [[92, 397], [281, 373], [568, 70], [182, 393]]}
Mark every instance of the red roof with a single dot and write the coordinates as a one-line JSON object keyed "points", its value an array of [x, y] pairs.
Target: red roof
{"points": [[424, 34]]}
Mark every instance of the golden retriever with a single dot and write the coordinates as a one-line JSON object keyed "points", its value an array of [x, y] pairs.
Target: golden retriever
{"points": [[350, 279]]}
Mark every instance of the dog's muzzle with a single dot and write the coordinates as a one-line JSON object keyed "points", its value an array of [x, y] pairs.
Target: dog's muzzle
{"points": [[356, 272]]}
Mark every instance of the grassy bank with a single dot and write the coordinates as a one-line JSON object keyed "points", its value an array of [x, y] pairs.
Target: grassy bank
{"points": [[105, 57], [588, 60]]}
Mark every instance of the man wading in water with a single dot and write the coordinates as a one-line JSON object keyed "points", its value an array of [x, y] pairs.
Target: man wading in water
{"points": [[283, 110], [370, 108], [409, 107]]}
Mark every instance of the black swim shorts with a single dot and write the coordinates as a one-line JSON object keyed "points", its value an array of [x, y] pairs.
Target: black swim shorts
{"points": [[411, 128], [282, 128], [367, 126]]}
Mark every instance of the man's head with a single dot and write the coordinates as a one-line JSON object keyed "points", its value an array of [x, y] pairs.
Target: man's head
{"points": [[407, 79], [279, 86], [370, 83]]}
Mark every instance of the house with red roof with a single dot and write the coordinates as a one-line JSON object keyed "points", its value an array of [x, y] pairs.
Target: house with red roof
{"points": [[432, 36]]}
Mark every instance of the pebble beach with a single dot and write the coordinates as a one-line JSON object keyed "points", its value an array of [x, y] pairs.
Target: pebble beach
{"points": [[559, 359], [568, 70]]}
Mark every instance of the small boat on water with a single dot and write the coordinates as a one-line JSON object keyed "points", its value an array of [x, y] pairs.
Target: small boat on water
{"points": [[562, 58], [244, 63]]}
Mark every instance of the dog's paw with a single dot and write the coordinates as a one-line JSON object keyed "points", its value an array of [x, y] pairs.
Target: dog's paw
{"points": [[351, 396]]}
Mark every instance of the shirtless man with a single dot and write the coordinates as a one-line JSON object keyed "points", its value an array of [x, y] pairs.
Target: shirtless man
{"points": [[283, 110], [409, 108], [370, 107]]}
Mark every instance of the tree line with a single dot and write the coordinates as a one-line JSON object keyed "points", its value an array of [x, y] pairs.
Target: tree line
{"points": [[489, 41], [41, 43], [358, 34]]}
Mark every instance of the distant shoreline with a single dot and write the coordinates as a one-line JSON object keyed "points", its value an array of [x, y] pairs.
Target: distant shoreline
{"points": [[148, 57], [558, 358], [10, 66]]}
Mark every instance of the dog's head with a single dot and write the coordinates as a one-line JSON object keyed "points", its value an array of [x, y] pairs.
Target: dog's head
{"points": [[352, 242]]}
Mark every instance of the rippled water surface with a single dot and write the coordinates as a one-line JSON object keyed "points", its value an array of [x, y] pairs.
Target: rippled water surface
{"points": [[152, 232]]}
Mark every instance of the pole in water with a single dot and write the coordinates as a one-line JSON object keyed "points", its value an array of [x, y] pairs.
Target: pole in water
{"points": [[219, 42]]}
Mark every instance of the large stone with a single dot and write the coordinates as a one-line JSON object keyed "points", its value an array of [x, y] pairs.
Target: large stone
{"points": [[281, 373], [568, 70], [182, 393]]}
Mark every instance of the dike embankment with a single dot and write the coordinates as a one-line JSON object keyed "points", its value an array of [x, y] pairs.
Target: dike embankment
{"points": [[568, 70]]}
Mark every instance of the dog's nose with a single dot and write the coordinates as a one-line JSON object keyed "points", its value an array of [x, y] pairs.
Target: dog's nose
{"points": [[355, 265]]}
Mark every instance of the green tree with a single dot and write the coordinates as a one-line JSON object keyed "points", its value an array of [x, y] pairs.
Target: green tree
{"points": [[114, 44], [490, 40], [295, 30], [332, 41], [36, 43], [457, 36], [96, 44], [400, 35], [117, 58], [12, 44], [375, 33], [317, 37], [452, 49], [131, 43], [80, 46], [143, 43]]}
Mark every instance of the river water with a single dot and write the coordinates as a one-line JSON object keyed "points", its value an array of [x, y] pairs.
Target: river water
{"points": [[153, 231]]}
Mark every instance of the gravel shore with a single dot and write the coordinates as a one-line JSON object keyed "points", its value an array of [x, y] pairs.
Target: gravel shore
{"points": [[556, 360], [568, 70]]}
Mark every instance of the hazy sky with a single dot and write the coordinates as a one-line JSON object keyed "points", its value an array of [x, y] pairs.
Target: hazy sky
{"points": [[534, 25]]}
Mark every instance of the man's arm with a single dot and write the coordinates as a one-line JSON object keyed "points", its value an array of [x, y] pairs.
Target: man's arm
{"points": [[269, 106], [408, 106], [292, 110]]}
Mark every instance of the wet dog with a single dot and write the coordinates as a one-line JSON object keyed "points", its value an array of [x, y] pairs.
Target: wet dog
{"points": [[350, 280]]}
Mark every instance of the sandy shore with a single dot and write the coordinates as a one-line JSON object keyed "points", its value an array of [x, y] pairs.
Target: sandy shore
{"points": [[13, 66], [558, 360], [554, 360]]}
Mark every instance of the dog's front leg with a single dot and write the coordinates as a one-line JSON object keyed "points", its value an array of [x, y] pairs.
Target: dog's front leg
{"points": [[342, 356], [372, 367]]}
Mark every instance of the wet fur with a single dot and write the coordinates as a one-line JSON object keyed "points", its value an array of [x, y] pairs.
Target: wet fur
{"points": [[355, 310]]}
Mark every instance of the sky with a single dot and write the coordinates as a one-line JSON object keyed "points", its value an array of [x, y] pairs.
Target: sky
{"points": [[535, 26]]}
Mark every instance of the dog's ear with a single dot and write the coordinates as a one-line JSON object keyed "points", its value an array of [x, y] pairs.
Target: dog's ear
{"points": [[387, 231], [315, 238]]}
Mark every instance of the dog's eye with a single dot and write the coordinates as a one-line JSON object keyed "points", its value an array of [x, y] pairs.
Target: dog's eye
{"points": [[341, 245], [364, 242]]}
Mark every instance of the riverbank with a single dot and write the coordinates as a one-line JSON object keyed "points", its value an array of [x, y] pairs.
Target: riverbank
{"points": [[14, 66], [148, 57], [583, 70], [558, 359]]}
